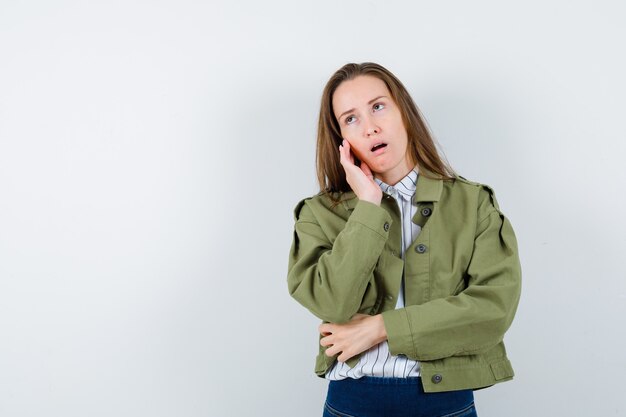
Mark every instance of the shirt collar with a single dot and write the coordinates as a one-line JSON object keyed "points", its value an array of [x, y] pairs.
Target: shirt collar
{"points": [[428, 189], [406, 186]]}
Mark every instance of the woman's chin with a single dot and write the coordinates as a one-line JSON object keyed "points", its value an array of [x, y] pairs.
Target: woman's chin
{"points": [[377, 166]]}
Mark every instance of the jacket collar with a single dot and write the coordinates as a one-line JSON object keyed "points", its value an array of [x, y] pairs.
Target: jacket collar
{"points": [[427, 190]]}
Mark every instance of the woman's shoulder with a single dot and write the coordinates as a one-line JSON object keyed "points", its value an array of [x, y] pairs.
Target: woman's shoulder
{"points": [[484, 194], [308, 208], [466, 182]]}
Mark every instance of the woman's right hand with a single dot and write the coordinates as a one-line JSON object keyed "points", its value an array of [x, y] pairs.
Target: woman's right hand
{"points": [[360, 179]]}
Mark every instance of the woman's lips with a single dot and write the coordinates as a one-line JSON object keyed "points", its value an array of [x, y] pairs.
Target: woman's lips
{"points": [[378, 149]]}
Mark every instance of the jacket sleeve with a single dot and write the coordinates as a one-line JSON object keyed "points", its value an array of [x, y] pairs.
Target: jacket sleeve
{"points": [[477, 318], [330, 278]]}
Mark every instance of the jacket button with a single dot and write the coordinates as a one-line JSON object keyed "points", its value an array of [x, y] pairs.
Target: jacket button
{"points": [[390, 297], [426, 211], [420, 248], [386, 226], [436, 378]]}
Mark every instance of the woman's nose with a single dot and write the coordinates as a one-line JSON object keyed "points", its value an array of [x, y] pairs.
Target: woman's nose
{"points": [[371, 127]]}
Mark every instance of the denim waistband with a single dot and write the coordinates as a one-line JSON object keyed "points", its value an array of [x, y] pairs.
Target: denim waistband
{"points": [[376, 396]]}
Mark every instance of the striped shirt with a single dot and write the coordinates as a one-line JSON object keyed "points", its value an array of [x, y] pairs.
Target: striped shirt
{"points": [[378, 361]]}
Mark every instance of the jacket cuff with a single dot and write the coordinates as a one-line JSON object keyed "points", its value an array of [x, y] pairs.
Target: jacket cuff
{"points": [[399, 335], [373, 217]]}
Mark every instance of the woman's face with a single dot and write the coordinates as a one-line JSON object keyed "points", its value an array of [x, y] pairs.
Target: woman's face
{"points": [[371, 122]]}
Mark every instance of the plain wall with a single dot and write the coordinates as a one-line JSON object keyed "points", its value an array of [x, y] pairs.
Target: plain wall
{"points": [[151, 155]]}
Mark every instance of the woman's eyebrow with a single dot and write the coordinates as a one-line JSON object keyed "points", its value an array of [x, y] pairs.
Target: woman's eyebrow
{"points": [[351, 110]]}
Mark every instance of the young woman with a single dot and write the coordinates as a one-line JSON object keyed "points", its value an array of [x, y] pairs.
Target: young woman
{"points": [[413, 270]]}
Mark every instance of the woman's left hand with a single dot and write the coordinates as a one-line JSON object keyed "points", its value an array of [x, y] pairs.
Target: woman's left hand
{"points": [[351, 338]]}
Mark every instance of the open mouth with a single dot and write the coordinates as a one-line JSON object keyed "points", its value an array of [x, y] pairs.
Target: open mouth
{"points": [[378, 146]]}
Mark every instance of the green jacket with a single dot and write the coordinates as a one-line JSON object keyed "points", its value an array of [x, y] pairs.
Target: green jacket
{"points": [[462, 277]]}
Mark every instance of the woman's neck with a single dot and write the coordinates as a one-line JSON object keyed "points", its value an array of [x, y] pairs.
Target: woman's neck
{"points": [[394, 176]]}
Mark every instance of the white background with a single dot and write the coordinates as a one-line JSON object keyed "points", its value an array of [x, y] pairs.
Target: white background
{"points": [[151, 154]]}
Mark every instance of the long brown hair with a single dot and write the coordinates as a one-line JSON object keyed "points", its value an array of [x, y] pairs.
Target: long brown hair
{"points": [[330, 174]]}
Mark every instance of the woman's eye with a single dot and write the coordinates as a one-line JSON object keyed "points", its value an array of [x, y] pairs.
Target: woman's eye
{"points": [[381, 106], [348, 119]]}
